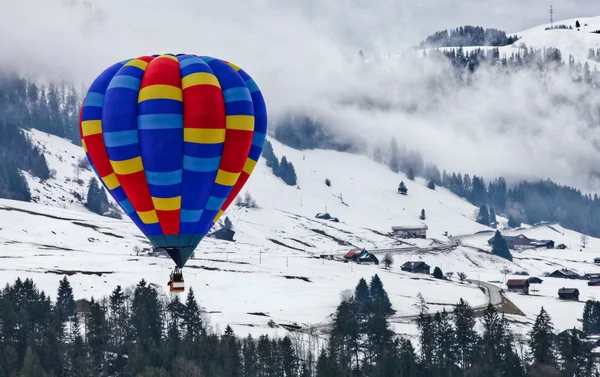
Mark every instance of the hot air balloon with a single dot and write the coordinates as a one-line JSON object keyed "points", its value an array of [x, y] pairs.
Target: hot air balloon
{"points": [[173, 139]]}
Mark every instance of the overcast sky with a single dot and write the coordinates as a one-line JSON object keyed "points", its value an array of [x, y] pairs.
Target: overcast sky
{"points": [[303, 55]]}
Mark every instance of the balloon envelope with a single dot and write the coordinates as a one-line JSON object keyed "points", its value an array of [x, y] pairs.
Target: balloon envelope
{"points": [[173, 138]]}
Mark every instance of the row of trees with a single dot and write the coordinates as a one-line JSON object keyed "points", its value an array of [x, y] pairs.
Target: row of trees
{"points": [[139, 333], [17, 152], [283, 169], [52, 108], [468, 36]]}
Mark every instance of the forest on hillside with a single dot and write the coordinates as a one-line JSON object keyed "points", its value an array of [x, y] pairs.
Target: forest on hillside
{"points": [[467, 36], [140, 332]]}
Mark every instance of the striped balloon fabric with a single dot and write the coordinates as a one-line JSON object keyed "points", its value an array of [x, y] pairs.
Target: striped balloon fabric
{"points": [[174, 138]]}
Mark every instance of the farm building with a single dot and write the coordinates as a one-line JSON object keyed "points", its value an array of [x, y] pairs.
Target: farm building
{"points": [[522, 241], [594, 282], [591, 276], [534, 280], [564, 274], [355, 254], [568, 294], [416, 267], [518, 285], [597, 260], [368, 259], [410, 231]]}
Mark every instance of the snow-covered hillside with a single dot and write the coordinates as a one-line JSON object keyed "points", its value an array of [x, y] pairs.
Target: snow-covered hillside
{"points": [[273, 268], [569, 41]]}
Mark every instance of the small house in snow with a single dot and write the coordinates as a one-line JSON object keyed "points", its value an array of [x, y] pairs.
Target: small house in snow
{"points": [[410, 231], [534, 280], [419, 267], [564, 274], [591, 276], [568, 294], [594, 282], [597, 260], [368, 259], [355, 254], [518, 285]]}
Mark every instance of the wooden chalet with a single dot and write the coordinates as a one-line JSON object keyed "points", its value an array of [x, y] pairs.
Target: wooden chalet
{"points": [[564, 274], [410, 231], [518, 285], [419, 267], [568, 294]]}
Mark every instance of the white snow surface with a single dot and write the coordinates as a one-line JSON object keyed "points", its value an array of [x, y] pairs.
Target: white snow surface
{"points": [[273, 267]]}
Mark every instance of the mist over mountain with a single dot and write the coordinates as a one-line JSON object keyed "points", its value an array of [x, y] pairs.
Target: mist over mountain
{"points": [[342, 75]]}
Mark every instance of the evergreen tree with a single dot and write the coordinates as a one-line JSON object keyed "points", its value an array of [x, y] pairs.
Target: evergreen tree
{"points": [[431, 184], [500, 247], [31, 365], [97, 338], [378, 294], [445, 356], [146, 323], [362, 296], [402, 188], [540, 339], [493, 221], [437, 273], [410, 174], [192, 317], [65, 300], [483, 217], [422, 217], [513, 222], [466, 336]]}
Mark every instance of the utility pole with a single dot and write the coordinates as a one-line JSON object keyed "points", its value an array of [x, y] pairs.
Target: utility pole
{"points": [[551, 17]]}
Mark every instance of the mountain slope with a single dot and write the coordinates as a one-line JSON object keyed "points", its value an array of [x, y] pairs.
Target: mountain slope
{"points": [[270, 268]]}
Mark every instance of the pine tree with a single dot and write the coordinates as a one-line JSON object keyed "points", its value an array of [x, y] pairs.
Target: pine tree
{"points": [[500, 247], [483, 217], [192, 318], [378, 293], [431, 184], [97, 338], [437, 273], [422, 217], [362, 296], [402, 188], [513, 222], [466, 336], [445, 356], [410, 174], [65, 300], [540, 339], [588, 325], [493, 221], [31, 365]]}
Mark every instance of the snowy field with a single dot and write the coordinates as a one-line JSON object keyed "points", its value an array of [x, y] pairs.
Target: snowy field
{"points": [[272, 271]]}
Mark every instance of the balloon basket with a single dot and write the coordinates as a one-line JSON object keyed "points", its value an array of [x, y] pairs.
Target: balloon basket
{"points": [[177, 286]]}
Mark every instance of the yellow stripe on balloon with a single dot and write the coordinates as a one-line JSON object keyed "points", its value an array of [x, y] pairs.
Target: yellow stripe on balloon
{"points": [[167, 204], [218, 216], [249, 166], [239, 122], [234, 66], [204, 135], [160, 92], [83, 145], [168, 57], [226, 178], [139, 63], [148, 217], [91, 127], [111, 181], [130, 166], [200, 78]]}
